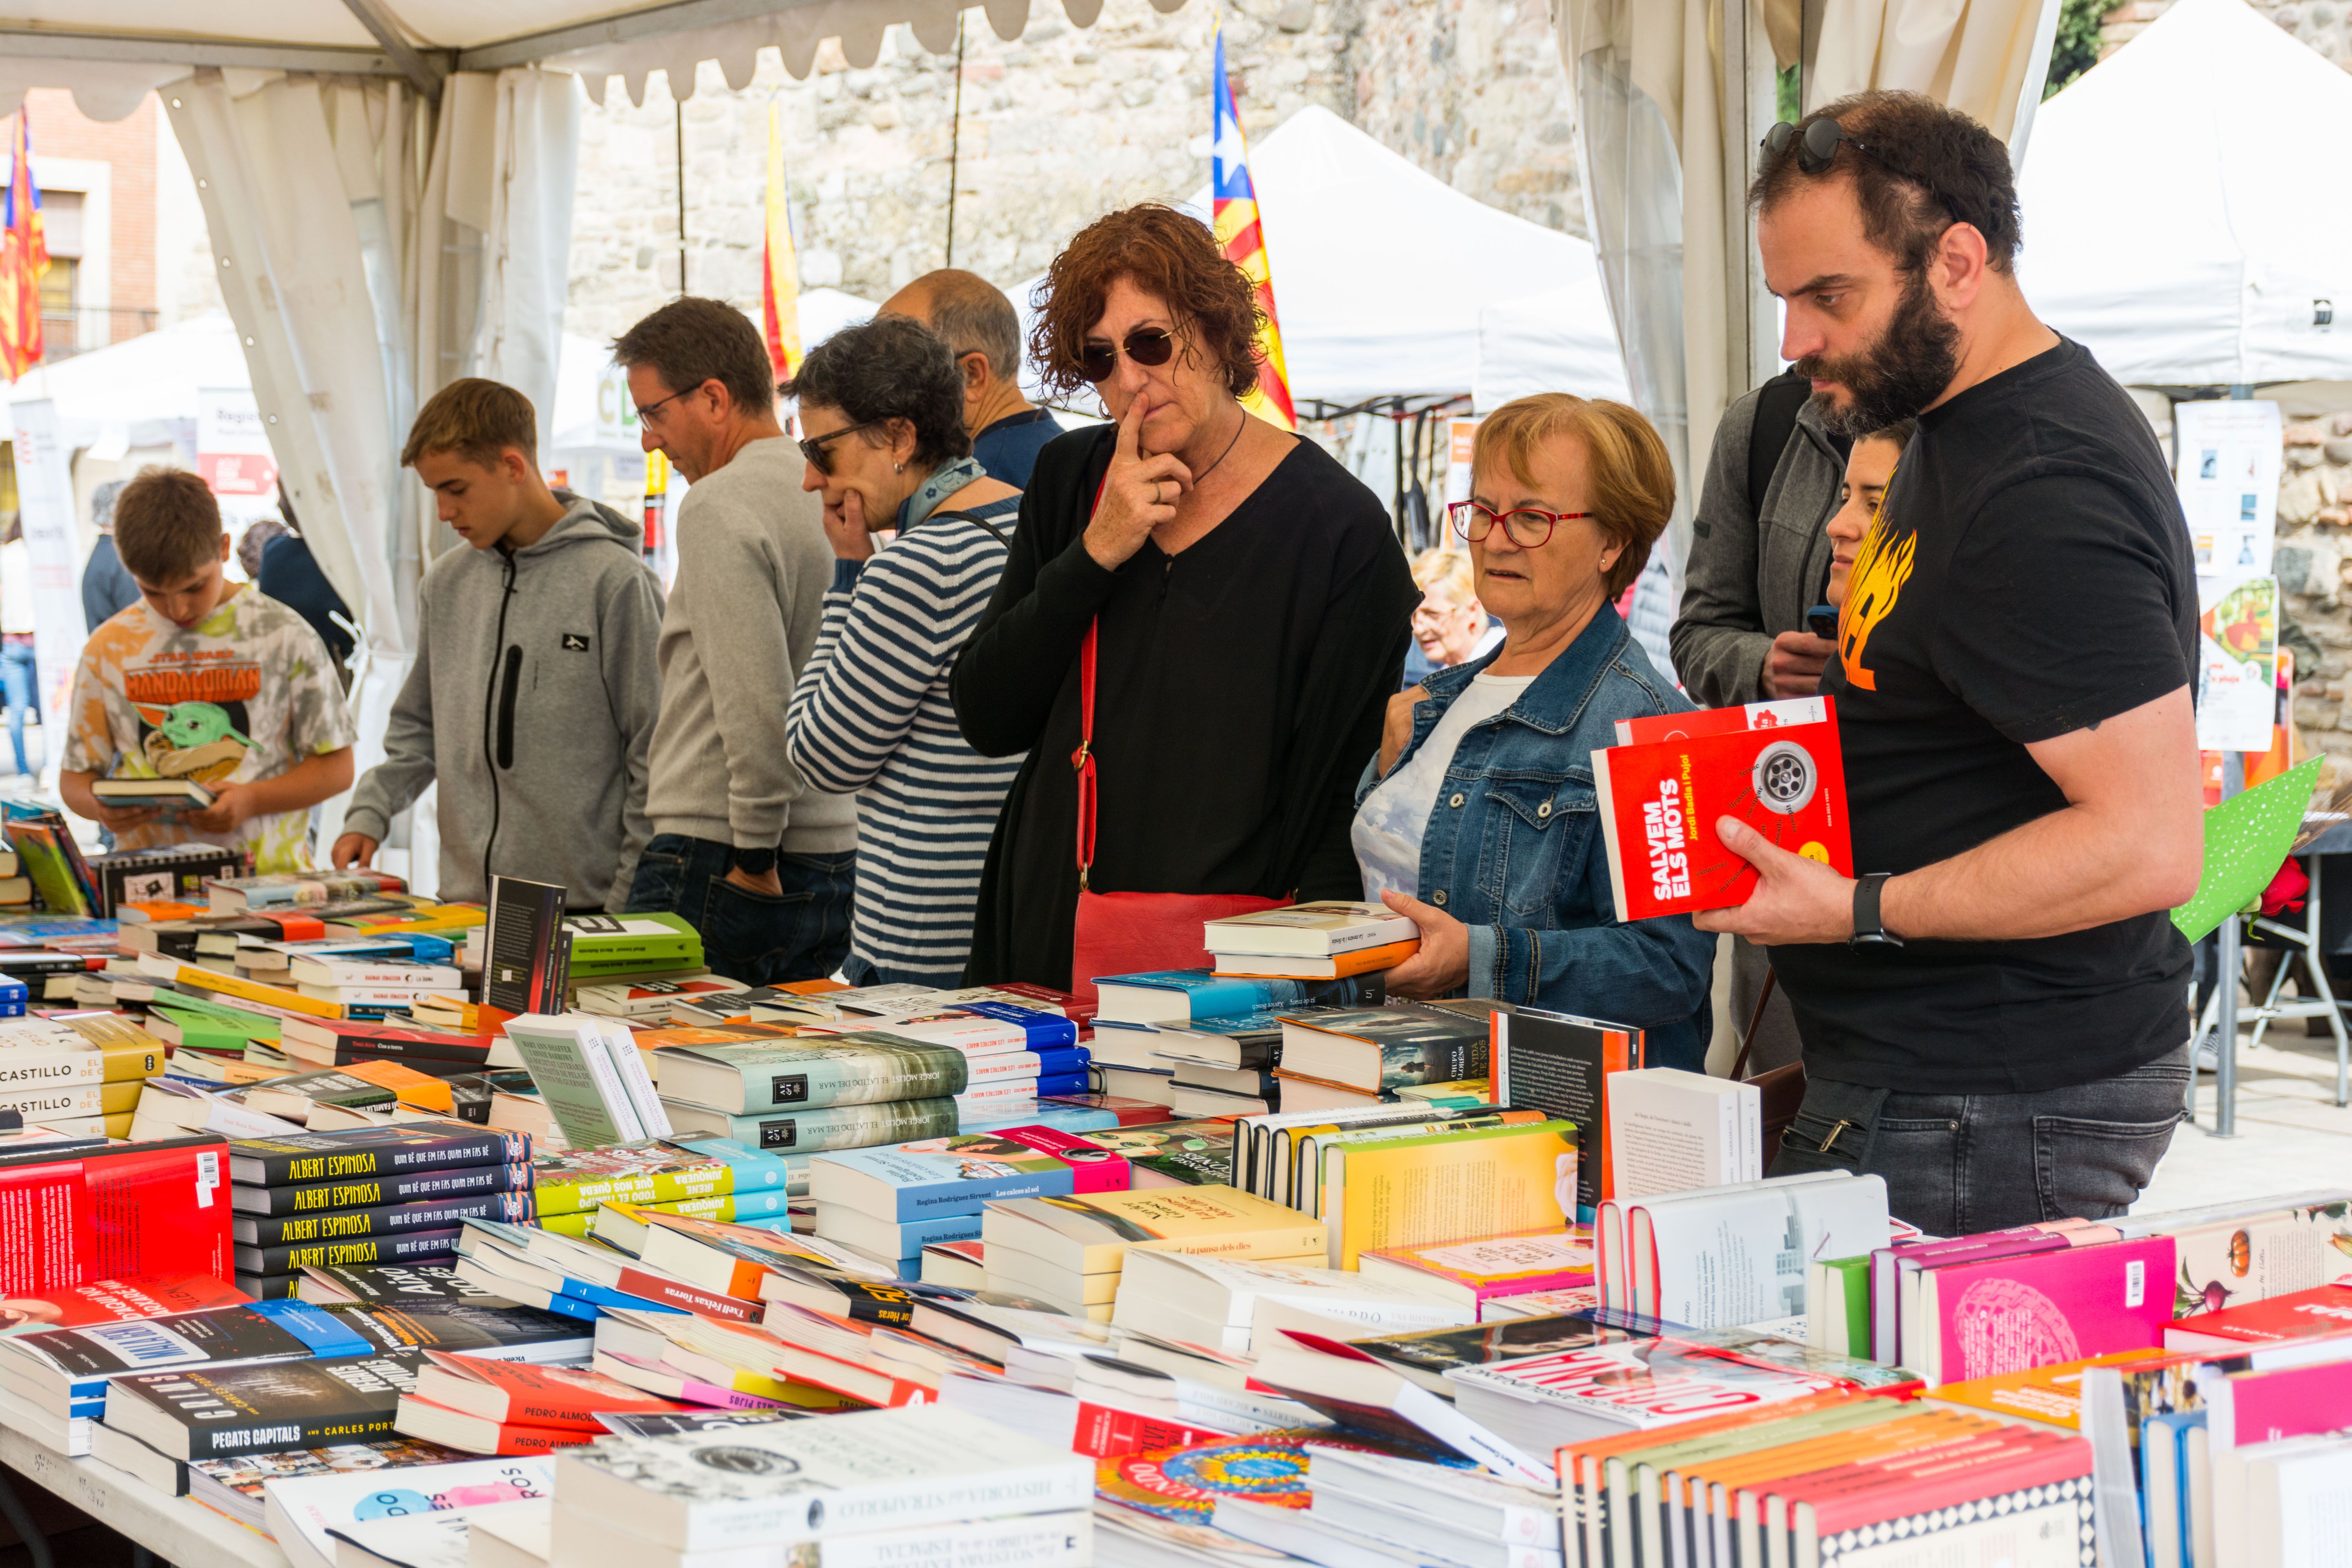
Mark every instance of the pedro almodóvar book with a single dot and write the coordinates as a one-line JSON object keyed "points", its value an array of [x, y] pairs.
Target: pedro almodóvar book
{"points": [[1660, 801]]}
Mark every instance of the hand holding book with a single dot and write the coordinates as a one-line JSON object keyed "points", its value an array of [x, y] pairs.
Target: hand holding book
{"points": [[1797, 900], [1443, 966]]}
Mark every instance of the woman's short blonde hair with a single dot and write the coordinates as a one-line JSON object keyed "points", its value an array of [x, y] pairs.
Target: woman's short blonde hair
{"points": [[1632, 480], [1444, 575]]}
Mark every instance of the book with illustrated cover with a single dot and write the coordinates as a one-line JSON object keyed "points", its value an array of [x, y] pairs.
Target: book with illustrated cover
{"points": [[173, 873], [1427, 1355], [233, 1486], [1475, 1272], [869, 1067], [278, 890], [1660, 801], [2321, 1313], [1162, 1153], [300, 1510], [69, 1363], [1423, 1187], [1778, 714], [648, 998], [573, 1181], [2005, 1314], [513, 1392], [391, 1285], [824, 1127], [1545, 1400], [308, 1158], [1185, 995], [1184, 1485], [117, 1302], [788, 1481], [1377, 1050]]}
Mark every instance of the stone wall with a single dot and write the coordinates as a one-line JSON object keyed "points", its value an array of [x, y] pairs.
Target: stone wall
{"points": [[2325, 24], [1057, 127]]}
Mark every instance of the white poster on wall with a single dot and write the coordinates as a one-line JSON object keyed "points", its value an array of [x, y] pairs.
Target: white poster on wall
{"points": [[2226, 456], [233, 455], [44, 495]]}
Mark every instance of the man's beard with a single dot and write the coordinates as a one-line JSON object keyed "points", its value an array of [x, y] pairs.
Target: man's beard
{"points": [[1896, 377]]}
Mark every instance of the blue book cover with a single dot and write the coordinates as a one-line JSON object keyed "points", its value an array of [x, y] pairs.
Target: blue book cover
{"points": [[1205, 995], [1078, 1118], [1062, 1083], [1044, 1029], [936, 1176], [755, 1169], [1063, 1061]]}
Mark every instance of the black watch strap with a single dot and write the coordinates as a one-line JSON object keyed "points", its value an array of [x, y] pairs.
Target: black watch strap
{"points": [[1869, 928], [755, 862]]}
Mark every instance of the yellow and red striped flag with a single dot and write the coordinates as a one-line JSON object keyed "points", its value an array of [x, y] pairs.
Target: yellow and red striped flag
{"points": [[1235, 213], [779, 288], [23, 257]]}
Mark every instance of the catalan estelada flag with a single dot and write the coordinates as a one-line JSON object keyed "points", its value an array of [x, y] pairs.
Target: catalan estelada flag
{"points": [[23, 257], [780, 287], [1235, 201]]}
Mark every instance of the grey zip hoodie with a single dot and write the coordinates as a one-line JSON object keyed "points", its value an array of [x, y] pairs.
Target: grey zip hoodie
{"points": [[532, 700]]}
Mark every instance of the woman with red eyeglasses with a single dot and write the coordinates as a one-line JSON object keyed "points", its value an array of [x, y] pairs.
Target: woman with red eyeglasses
{"points": [[1478, 817], [1198, 628]]}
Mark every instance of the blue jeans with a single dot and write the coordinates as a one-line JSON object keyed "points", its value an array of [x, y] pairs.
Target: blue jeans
{"points": [[1958, 1164], [22, 685], [751, 937]]}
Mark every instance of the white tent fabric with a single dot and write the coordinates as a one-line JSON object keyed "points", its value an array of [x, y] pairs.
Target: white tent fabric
{"points": [[2203, 257], [1558, 341], [1380, 271]]}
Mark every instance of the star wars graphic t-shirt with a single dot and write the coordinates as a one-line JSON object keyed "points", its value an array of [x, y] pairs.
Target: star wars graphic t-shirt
{"points": [[244, 694], [2028, 576]]}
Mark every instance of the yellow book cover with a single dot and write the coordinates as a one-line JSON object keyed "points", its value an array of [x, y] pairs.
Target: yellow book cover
{"points": [[120, 1098], [278, 996], [1450, 1186], [119, 1124], [1088, 1233], [2051, 1395]]}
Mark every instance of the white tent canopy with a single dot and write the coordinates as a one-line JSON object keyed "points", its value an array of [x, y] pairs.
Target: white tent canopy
{"points": [[2168, 224], [1558, 341], [1380, 271]]}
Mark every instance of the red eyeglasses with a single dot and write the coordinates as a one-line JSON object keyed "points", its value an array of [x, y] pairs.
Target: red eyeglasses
{"points": [[1529, 527]]}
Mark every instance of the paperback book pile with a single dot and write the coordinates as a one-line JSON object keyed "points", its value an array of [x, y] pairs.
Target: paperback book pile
{"points": [[1328, 941], [1068, 1251], [81, 1076], [368, 1195], [888, 1204], [592, 1077], [708, 1179], [1221, 1031], [807, 1096]]}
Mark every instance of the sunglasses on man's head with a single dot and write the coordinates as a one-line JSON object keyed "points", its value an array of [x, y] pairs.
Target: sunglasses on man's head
{"points": [[1151, 347], [1817, 144]]}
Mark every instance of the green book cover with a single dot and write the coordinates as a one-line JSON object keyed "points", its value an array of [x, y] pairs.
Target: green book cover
{"points": [[824, 1127], [1849, 1300], [570, 1181], [203, 1032], [577, 1080], [2247, 838], [754, 1078], [638, 939], [253, 1026]]}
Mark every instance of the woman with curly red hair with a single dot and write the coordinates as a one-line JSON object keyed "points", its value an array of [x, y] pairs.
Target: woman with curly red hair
{"points": [[1241, 600]]}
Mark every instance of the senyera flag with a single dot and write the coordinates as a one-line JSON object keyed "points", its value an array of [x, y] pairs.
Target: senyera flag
{"points": [[780, 298], [1235, 201], [23, 257]]}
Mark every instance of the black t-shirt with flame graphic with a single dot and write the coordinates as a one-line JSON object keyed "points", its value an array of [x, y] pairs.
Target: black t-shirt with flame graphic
{"points": [[2030, 576]]}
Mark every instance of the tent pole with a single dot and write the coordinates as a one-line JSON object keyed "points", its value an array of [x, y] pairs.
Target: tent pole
{"points": [[677, 123], [955, 139]]}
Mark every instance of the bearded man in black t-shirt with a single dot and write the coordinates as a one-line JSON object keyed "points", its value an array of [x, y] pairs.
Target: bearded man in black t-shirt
{"points": [[1995, 1014]]}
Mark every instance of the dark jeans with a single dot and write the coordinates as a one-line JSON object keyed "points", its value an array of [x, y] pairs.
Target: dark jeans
{"points": [[747, 936], [23, 690], [1958, 1163]]}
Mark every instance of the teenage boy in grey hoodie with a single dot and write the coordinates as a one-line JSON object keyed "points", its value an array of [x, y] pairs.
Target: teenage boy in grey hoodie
{"points": [[535, 689]]}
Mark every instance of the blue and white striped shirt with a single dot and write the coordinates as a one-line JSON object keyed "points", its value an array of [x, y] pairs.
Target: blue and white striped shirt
{"points": [[870, 715]]}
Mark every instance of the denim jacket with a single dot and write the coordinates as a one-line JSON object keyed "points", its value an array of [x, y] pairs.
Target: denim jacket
{"points": [[1513, 848]]}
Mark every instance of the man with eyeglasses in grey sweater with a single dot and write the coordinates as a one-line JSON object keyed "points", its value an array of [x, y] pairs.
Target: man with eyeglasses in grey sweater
{"points": [[758, 862]]}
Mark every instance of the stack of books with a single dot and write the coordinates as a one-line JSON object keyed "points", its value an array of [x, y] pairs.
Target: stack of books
{"points": [[892, 1203], [513, 1407], [1342, 1059], [744, 1186], [606, 948], [1067, 1252], [1326, 941], [367, 1195], [1244, 1307], [1012, 1054], [590, 1077], [1149, 1025], [82, 1077], [806, 1096]]}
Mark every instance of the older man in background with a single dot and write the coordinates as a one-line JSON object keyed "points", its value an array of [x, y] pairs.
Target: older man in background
{"points": [[979, 324]]}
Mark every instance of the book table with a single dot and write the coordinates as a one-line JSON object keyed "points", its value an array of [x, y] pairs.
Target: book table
{"points": [[165, 1530]]}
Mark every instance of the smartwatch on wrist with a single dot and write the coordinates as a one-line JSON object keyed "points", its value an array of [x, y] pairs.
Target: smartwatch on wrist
{"points": [[1869, 929], [755, 862]]}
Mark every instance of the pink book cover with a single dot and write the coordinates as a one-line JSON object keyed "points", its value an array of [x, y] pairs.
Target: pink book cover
{"points": [[2297, 1401], [1510, 1264], [2014, 1313], [1093, 1168]]}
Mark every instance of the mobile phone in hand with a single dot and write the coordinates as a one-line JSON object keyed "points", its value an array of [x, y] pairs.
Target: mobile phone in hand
{"points": [[1822, 621]]}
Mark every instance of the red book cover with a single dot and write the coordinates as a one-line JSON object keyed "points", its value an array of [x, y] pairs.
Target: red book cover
{"points": [[154, 1209], [1069, 1004], [359, 1039], [1774, 715], [1660, 801], [295, 925], [679, 1294], [1093, 1168], [2320, 1313], [118, 1302], [514, 1392], [2011, 1314], [1103, 1433], [1131, 1112], [2293, 1401]]}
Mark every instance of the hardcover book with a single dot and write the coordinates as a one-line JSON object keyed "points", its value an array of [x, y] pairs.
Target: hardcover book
{"points": [[865, 1068], [1660, 801], [827, 1127]]}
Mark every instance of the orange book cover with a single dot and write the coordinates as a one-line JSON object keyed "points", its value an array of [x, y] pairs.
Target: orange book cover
{"points": [[420, 1090], [1346, 965], [1570, 1458], [2051, 1393]]}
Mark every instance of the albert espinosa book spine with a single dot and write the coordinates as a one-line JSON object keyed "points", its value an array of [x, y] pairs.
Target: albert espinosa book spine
{"points": [[376, 1192], [1660, 801], [308, 1158], [409, 1246], [830, 1126], [757, 1077], [384, 1219]]}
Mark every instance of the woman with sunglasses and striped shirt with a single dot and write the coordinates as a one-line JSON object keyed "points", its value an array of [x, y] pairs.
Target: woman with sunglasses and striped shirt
{"points": [[1477, 818], [1248, 601]]}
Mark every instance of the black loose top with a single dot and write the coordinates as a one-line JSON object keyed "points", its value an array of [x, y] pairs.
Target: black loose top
{"points": [[1239, 688]]}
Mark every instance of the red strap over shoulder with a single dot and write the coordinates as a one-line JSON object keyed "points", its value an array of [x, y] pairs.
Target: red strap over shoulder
{"points": [[1082, 761]]}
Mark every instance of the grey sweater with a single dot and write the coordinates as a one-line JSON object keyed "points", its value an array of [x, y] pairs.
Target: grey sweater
{"points": [[1750, 577], [744, 609], [532, 701]]}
